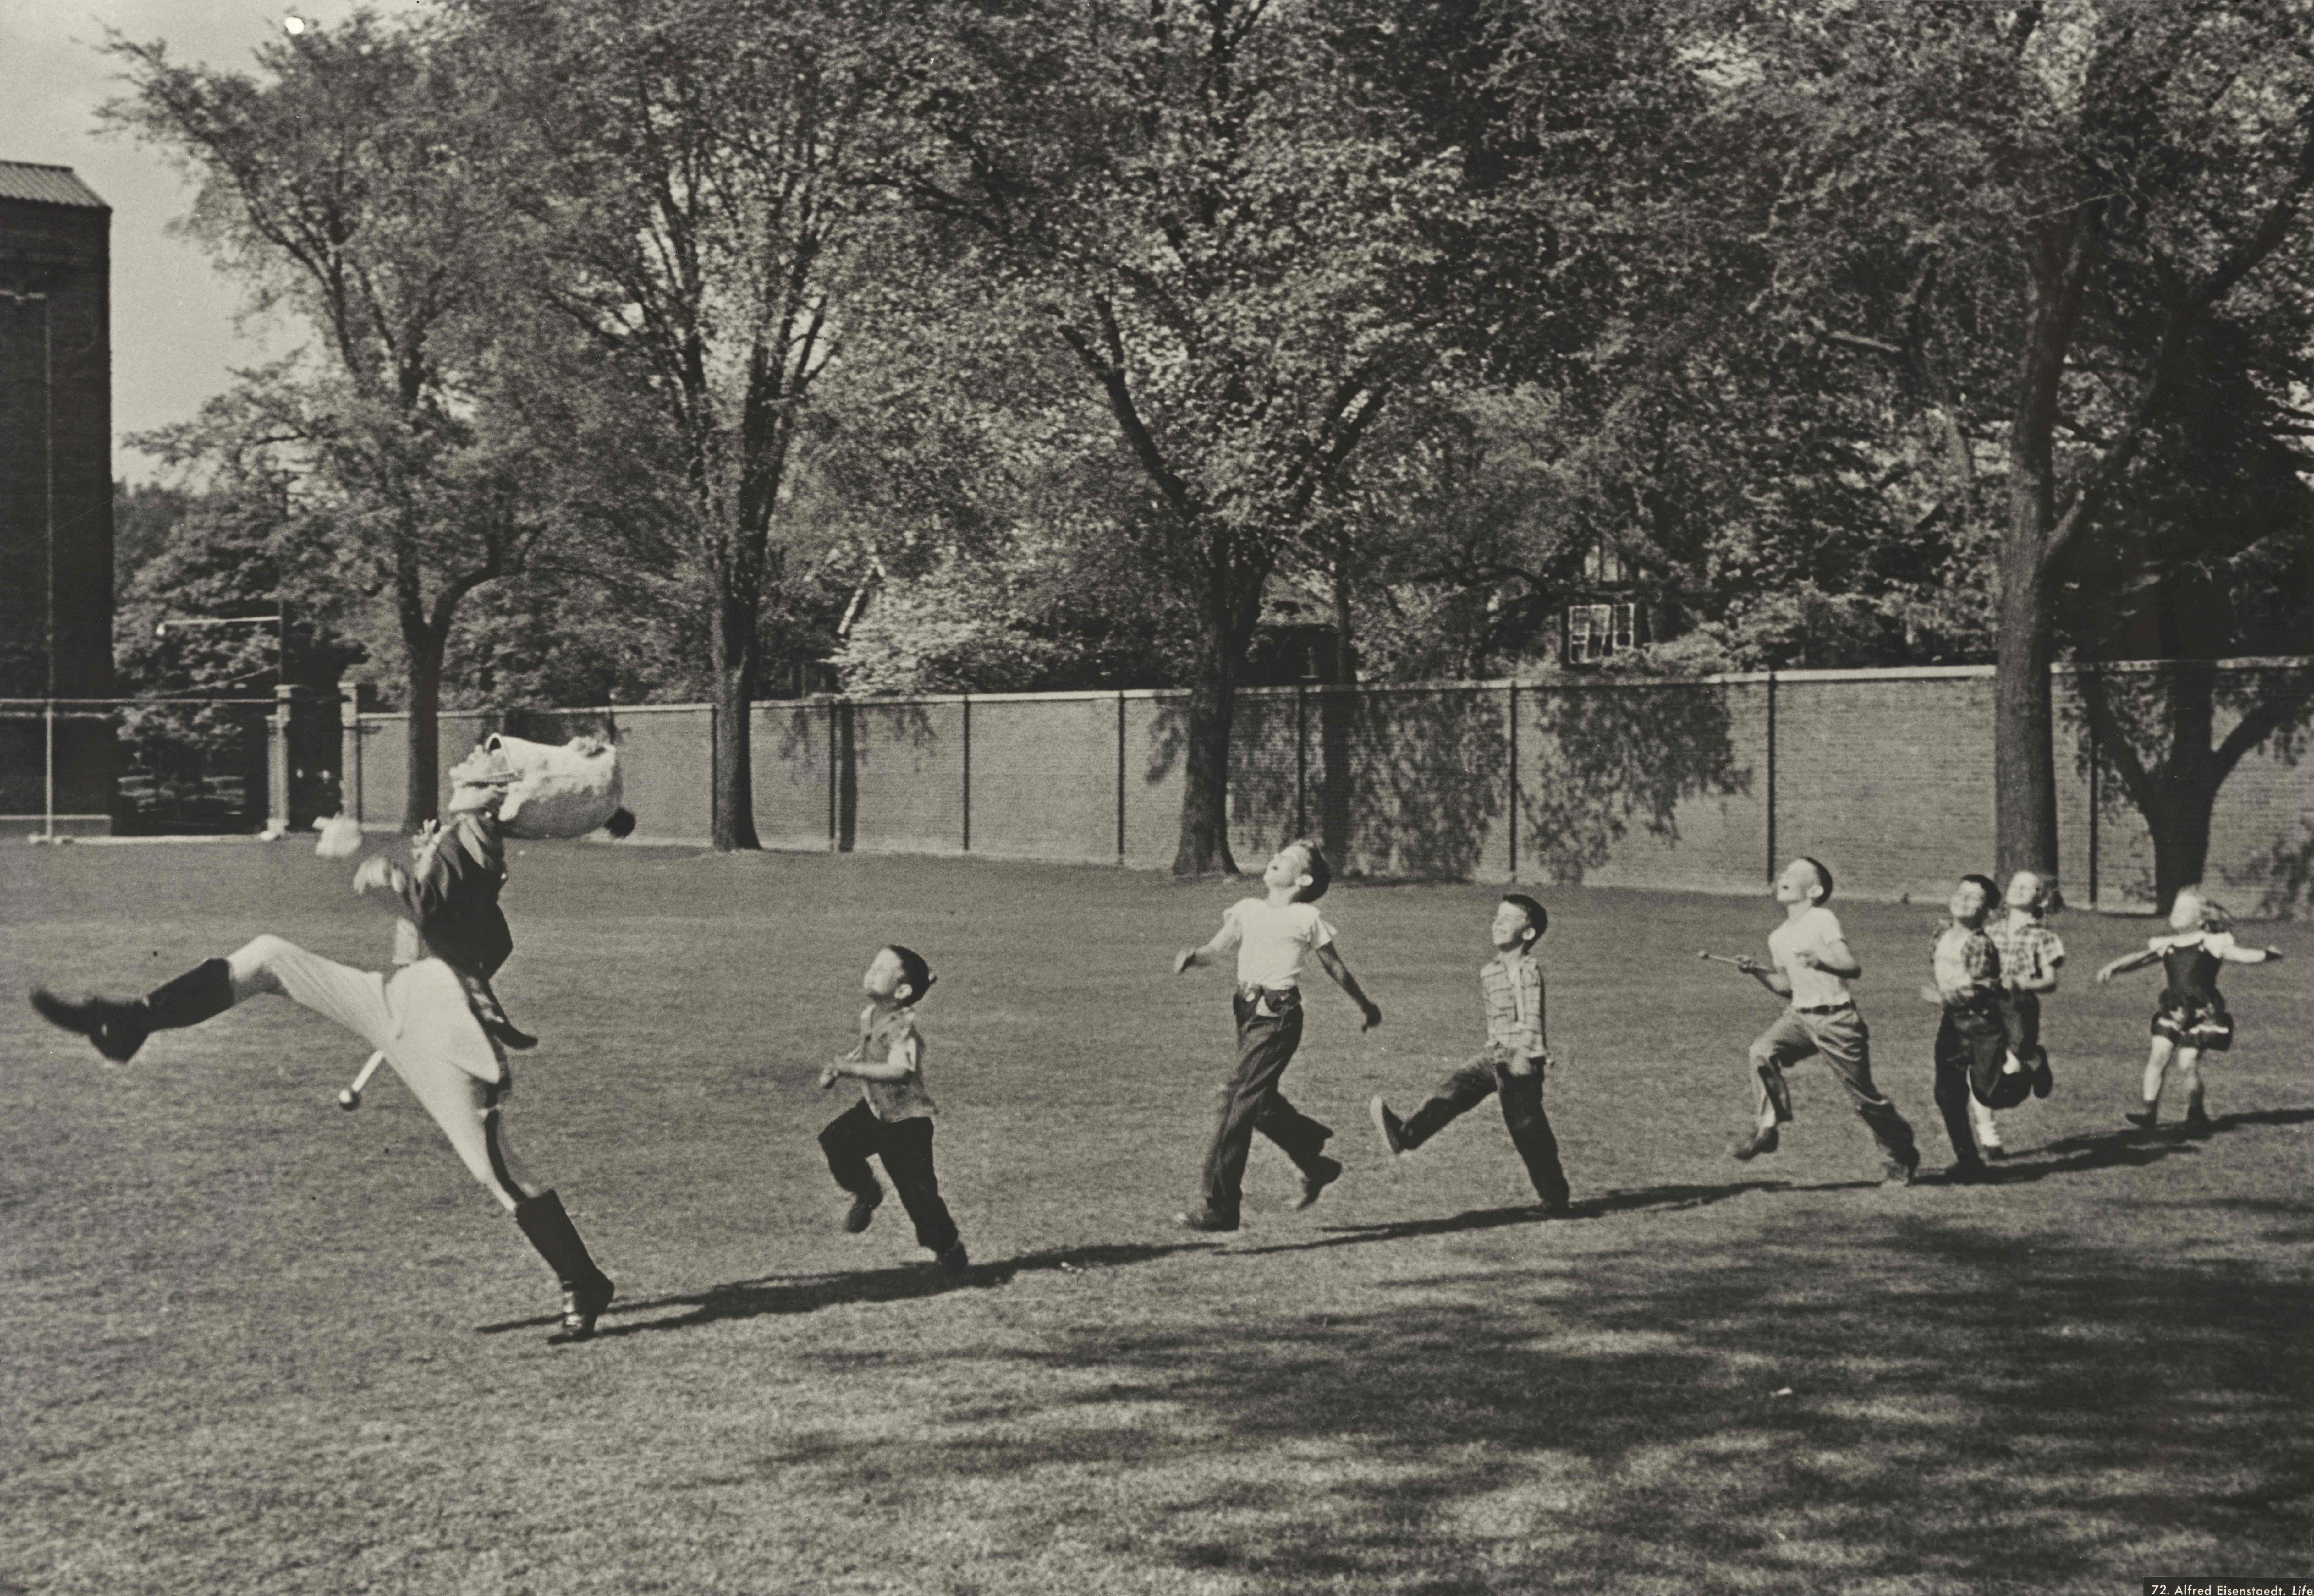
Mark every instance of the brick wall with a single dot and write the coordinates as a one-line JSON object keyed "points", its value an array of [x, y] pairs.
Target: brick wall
{"points": [[1697, 785]]}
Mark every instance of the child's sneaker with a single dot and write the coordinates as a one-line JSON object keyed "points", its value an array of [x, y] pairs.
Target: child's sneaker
{"points": [[1315, 1181], [1751, 1146], [1204, 1220], [955, 1260], [2144, 1119], [2198, 1121], [1388, 1125], [862, 1211]]}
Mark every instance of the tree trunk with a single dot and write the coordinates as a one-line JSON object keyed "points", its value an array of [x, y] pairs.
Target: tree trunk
{"points": [[732, 647], [2188, 777], [2180, 830], [423, 792], [2024, 756], [1204, 792]]}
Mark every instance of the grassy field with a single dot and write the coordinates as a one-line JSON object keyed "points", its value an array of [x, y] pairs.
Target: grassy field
{"points": [[255, 1344]]}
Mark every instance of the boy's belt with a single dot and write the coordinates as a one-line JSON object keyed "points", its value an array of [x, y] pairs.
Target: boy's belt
{"points": [[1270, 999], [1824, 1008]]}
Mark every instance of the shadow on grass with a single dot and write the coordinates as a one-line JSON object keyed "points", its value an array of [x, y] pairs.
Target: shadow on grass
{"points": [[809, 1293], [2079, 1155], [1846, 1401], [1647, 1199]]}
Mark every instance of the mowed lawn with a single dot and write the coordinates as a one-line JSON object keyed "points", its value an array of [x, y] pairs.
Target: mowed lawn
{"points": [[253, 1344]]}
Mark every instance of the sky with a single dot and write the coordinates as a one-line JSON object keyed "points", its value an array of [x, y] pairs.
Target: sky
{"points": [[176, 331]]}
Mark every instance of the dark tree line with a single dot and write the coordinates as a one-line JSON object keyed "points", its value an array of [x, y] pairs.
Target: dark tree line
{"points": [[649, 335]]}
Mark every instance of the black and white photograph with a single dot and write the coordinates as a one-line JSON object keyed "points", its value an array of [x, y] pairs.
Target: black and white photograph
{"points": [[1390, 798]]}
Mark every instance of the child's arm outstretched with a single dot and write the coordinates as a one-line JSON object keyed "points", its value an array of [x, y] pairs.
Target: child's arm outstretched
{"points": [[1331, 963], [1225, 941], [2235, 953], [1767, 976], [2128, 962]]}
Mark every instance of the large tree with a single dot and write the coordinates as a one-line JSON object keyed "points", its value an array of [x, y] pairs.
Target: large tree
{"points": [[2022, 215], [1223, 222], [684, 172], [2208, 553], [336, 183]]}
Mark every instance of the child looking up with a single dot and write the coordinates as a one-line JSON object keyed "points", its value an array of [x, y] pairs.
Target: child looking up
{"points": [[2191, 1018], [1513, 1064], [893, 1120], [1272, 936]]}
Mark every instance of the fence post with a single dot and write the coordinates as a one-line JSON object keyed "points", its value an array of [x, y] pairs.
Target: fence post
{"points": [[48, 761], [967, 772], [1512, 714], [1301, 758], [1772, 776], [277, 762], [349, 755], [2094, 754], [1120, 775], [834, 757]]}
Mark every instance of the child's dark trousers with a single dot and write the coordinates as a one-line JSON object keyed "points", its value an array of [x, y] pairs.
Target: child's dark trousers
{"points": [[1268, 1030], [905, 1145], [1971, 1042], [1523, 1116]]}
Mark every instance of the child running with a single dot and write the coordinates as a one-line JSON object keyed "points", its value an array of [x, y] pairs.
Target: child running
{"points": [[1972, 1048], [1272, 935], [2191, 1018], [1813, 967], [893, 1119], [1512, 1067], [2031, 955]]}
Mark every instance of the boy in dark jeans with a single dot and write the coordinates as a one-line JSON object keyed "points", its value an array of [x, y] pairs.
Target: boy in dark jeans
{"points": [[1272, 935], [893, 1119], [1511, 1068], [1971, 1047]]}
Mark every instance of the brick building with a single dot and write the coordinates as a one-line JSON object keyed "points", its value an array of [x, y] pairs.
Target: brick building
{"points": [[56, 483]]}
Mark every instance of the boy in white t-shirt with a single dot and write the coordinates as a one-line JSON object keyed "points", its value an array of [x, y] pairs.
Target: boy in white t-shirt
{"points": [[1813, 967], [1272, 935]]}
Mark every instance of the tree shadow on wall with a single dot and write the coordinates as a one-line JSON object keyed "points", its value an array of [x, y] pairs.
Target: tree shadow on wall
{"points": [[1597, 759], [1406, 782], [2165, 738], [1414, 782]]}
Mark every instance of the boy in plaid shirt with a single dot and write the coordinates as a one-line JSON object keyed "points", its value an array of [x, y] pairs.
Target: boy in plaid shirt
{"points": [[1511, 1068], [2030, 955]]}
